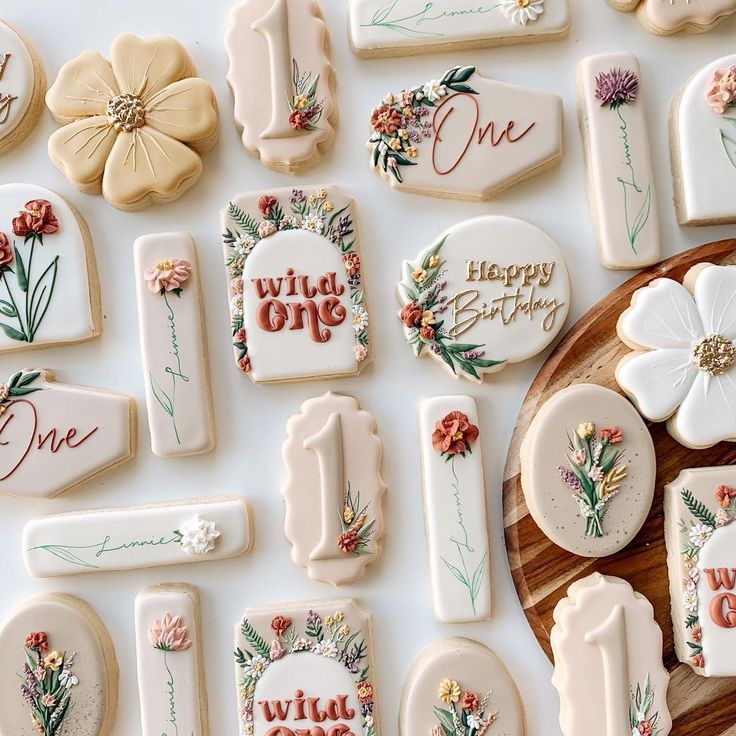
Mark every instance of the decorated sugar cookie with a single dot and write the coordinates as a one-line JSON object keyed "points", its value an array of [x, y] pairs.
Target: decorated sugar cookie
{"points": [[49, 292], [703, 145], [333, 489], [684, 364], [22, 86], [306, 668], [700, 505], [170, 667], [458, 681], [401, 27], [197, 530], [282, 79], [490, 291], [455, 509], [463, 136], [295, 284], [608, 661], [588, 469], [173, 345], [664, 17], [620, 176], [58, 672], [133, 127], [54, 436]]}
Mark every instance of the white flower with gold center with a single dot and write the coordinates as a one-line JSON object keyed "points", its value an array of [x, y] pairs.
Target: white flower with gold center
{"points": [[523, 11]]}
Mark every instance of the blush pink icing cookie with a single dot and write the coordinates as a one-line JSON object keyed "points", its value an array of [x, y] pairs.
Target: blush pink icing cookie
{"points": [[664, 17]]}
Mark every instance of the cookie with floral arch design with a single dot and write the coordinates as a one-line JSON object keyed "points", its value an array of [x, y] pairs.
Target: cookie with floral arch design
{"points": [[134, 127], [683, 368], [664, 17]]}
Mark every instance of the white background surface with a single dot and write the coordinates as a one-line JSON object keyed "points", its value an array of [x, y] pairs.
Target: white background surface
{"points": [[251, 419]]}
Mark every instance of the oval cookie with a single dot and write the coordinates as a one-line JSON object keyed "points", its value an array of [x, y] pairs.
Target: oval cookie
{"points": [[58, 672], [588, 470]]}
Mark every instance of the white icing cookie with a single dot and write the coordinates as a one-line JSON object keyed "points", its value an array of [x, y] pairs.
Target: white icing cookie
{"points": [[664, 17], [55, 436], [684, 366], [58, 672], [699, 506], [282, 79], [703, 145], [306, 668], [173, 345], [620, 176], [455, 509], [49, 292], [459, 680], [402, 27], [295, 283], [170, 666], [490, 291], [333, 489], [136, 537], [588, 469], [22, 86], [463, 136], [134, 126], [608, 661]]}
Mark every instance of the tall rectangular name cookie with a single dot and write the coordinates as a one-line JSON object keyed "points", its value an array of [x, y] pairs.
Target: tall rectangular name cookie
{"points": [[173, 345], [170, 667], [455, 509], [136, 537], [620, 177]]}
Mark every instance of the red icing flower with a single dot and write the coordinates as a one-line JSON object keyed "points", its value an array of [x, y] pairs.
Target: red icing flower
{"points": [[410, 314], [298, 120], [697, 661], [280, 624], [454, 434], [385, 120], [6, 250], [696, 634], [37, 217], [724, 494], [352, 263], [244, 364], [426, 332], [266, 204], [347, 542], [37, 640], [239, 336], [612, 434], [365, 692], [645, 728], [470, 701]]}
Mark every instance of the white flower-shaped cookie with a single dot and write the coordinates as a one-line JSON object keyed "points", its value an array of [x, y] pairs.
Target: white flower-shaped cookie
{"points": [[684, 367], [670, 16], [136, 123]]}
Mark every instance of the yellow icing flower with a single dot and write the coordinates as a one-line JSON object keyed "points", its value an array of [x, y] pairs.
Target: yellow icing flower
{"points": [[449, 692], [300, 102], [339, 616], [53, 661], [434, 261], [419, 275], [330, 621], [403, 133], [344, 631], [428, 318], [312, 199], [411, 151], [348, 515], [586, 430], [395, 144], [329, 206], [322, 193]]}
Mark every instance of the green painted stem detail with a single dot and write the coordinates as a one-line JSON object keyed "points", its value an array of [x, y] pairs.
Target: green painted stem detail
{"points": [[172, 697]]}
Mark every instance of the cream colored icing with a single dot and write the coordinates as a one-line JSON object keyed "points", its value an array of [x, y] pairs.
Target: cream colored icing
{"points": [[59, 436], [71, 627], [488, 292], [136, 537], [173, 348], [17, 80], [295, 282], [626, 463], [281, 661], [333, 488], [476, 670], [140, 148], [69, 313], [622, 196], [607, 647], [170, 670], [278, 49], [396, 27], [468, 145], [671, 16], [455, 510]]}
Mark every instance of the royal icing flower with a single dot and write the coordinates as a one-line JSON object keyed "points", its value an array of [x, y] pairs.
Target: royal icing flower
{"points": [[255, 667], [684, 367], [198, 536], [266, 229], [616, 87], [133, 126], [360, 318], [347, 542], [327, 648], [313, 223], [586, 430], [724, 494], [276, 650], [522, 11], [38, 640], [454, 434], [700, 534], [53, 661], [433, 90], [6, 250], [470, 701], [723, 518], [169, 634], [168, 275], [352, 263], [449, 692], [612, 435], [690, 600], [266, 204], [68, 679], [361, 353], [36, 218], [385, 120], [722, 89], [280, 624], [365, 692]]}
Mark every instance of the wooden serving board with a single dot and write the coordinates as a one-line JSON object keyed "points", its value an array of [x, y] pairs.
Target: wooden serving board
{"points": [[542, 571]]}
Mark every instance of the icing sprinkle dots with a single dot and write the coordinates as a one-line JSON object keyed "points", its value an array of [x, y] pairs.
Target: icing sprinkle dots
{"points": [[126, 112], [714, 355]]}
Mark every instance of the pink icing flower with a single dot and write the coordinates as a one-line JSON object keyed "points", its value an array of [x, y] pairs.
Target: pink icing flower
{"points": [[696, 634], [578, 457], [48, 700], [236, 285], [612, 434], [169, 634], [361, 353], [722, 518], [168, 275], [724, 494], [265, 229], [722, 89], [239, 336], [690, 579], [277, 650], [244, 364], [596, 473], [38, 217], [6, 250]]}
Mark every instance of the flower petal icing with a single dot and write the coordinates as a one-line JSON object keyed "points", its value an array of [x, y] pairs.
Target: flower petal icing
{"points": [[715, 295]]}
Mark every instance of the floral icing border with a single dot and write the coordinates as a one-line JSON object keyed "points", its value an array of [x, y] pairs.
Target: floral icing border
{"points": [[305, 109], [641, 720], [328, 637], [314, 213], [357, 526], [721, 96], [465, 713]]}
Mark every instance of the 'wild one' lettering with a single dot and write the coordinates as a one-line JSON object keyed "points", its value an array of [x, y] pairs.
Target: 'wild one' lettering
{"points": [[302, 708], [722, 607]]}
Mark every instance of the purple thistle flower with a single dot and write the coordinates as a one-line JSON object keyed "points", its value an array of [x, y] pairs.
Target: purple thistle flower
{"points": [[297, 196], [616, 87], [314, 619], [570, 479], [28, 674], [25, 691]]}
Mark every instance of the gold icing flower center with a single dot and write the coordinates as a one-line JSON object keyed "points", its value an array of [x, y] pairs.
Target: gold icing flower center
{"points": [[164, 265], [714, 355], [126, 112], [522, 3]]}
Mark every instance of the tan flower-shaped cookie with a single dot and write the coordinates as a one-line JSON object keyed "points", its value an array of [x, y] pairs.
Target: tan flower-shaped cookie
{"points": [[671, 16], [135, 124]]}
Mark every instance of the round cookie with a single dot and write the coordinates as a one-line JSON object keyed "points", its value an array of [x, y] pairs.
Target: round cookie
{"points": [[490, 291], [22, 86], [588, 469]]}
